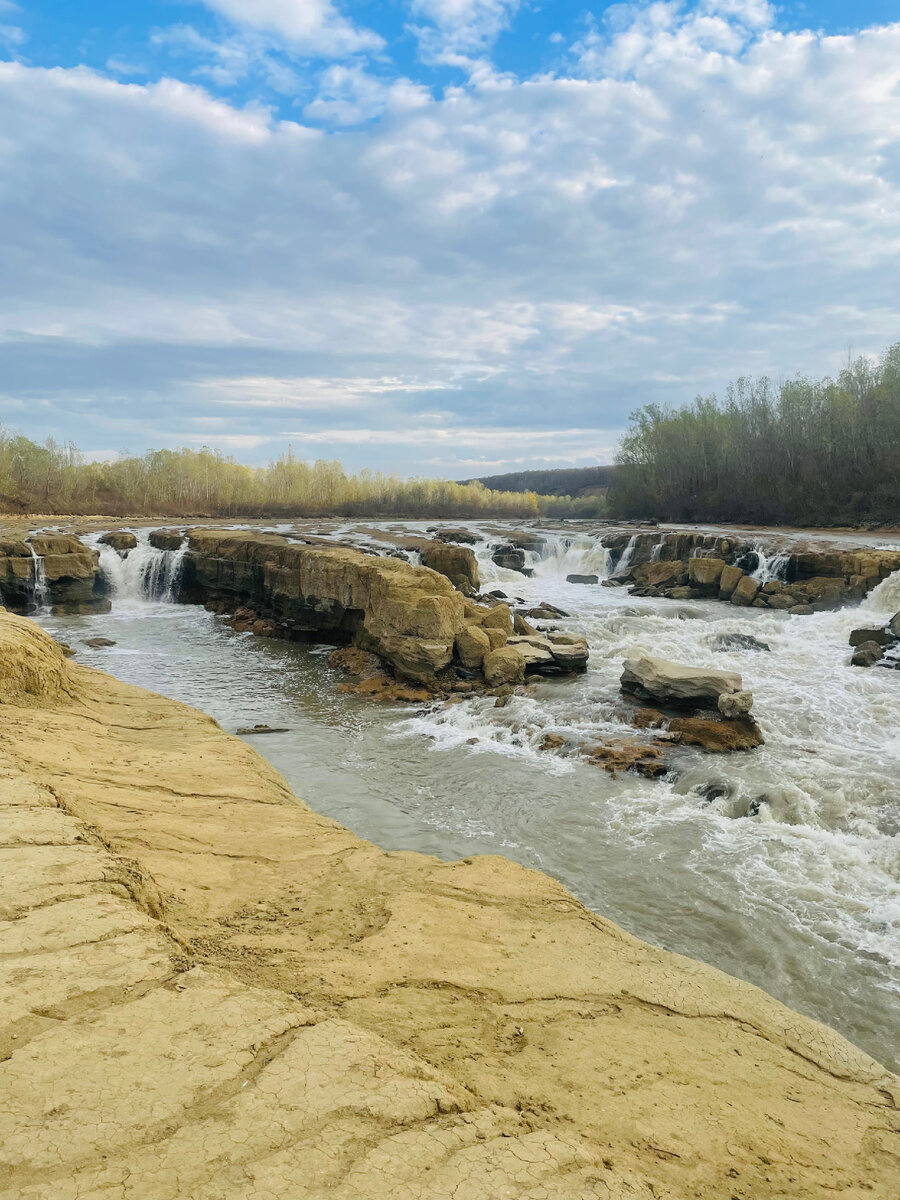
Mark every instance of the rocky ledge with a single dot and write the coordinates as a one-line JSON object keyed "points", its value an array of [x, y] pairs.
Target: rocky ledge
{"points": [[70, 574], [697, 566], [211, 993], [418, 623]]}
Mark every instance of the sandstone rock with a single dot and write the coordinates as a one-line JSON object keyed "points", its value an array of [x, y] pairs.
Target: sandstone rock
{"points": [[682, 593], [472, 644], [582, 579], [728, 581], [534, 650], [552, 741], [881, 636], [523, 627], [498, 617], [745, 592], [718, 737], [456, 562], [675, 683], [505, 665], [463, 536], [781, 602], [355, 661], [660, 574], [735, 704], [867, 654], [409, 616], [120, 540], [705, 573], [496, 636], [166, 539], [509, 557], [616, 756]]}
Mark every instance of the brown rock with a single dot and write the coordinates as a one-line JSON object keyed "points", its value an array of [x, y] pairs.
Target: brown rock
{"points": [[472, 644], [867, 655], [705, 573], [355, 661], [120, 540], [505, 665], [745, 592], [457, 563], [728, 581], [498, 617], [660, 574], [618, 756], [166, 539], [881, 636]]}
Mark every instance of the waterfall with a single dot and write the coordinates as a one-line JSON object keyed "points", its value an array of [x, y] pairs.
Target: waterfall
{"points": [[40, 589], [625, 560], [144, 573], [885, 598], [769, 566]]}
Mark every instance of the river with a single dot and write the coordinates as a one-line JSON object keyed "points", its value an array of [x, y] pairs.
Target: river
{"points": [[781, 866]]}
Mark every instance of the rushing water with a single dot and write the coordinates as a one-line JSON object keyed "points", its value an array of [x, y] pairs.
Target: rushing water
{"points": [[40, 589], [781, 866]]}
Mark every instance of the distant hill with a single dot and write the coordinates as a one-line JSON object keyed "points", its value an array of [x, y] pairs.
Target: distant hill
{"points": [[570, 481]]}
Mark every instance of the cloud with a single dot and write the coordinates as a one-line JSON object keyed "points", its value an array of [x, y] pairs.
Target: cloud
{"points": [[348, 95], [314, 26], [696, 197], [12, 36], [460, 27]]}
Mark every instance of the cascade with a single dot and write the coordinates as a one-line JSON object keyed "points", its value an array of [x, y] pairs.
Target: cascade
{"points": [[625, 561], [769, 566], [40, 589], [145, 573]]}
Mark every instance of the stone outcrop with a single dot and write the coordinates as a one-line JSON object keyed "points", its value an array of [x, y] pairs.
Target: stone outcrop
{"points": [[870, 645], [676, 684], [413, 618], [511, 558], [120, 539], [215, 993], [688, 565], [168, 539], [456, 562], [71, 571]]}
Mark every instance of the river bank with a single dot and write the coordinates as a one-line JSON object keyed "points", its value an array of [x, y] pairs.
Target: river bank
{"points": [[351, 1023]]}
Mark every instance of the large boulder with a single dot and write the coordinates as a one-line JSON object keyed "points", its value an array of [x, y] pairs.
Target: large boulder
{"points": [[120, 539], [745, 592], [70, 568], [705, 573], [660, 574], [458, 563], [166, 539], [729, 579], [676, 684], [510, 557], [881, 636], [504, 666], [472, 644], [867, 654]]}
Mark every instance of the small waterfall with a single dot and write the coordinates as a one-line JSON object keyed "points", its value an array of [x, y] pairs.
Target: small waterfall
{"points": [[769, 566], [40, 589], [559, 557], [628, 554], [144, 573], [885, 598]]}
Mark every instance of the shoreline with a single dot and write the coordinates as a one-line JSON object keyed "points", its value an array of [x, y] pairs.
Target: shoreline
{"points": [[526, 1020]]}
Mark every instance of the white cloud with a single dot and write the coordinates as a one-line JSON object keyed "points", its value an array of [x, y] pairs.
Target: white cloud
{"points": [[693, 201], [12, 36], [315, 26], [348, 95], [458, 28]]}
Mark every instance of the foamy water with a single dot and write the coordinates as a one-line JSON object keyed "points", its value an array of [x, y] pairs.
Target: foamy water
{"points": [[789, 876]]}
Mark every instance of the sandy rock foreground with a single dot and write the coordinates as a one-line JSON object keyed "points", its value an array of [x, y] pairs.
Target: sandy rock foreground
{"points": [[208, 992]]}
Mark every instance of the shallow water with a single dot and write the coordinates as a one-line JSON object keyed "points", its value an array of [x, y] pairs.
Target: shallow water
{"points": [[790, 878]]}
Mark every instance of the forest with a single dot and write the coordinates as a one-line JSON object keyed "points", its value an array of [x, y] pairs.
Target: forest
{"points": [[808, 452], [55, 479]]}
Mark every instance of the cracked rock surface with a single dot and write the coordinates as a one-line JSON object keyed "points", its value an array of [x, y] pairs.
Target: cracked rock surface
{"points": [[209, 992]]}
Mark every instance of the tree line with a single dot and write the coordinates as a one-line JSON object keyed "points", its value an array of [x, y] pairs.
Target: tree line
{"points": [[808, 452], [55, 479]]}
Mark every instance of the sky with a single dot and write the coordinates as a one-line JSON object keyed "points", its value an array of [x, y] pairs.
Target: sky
{"points": [[434, 237]]}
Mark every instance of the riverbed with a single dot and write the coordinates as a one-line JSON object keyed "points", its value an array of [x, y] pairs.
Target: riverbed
{"points": [[781, 866]]}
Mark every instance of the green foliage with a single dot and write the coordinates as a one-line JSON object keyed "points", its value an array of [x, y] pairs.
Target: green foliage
{"points": [[54, 479], [809, 452]]}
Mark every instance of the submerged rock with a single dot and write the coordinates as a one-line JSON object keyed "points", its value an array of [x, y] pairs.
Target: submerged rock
{"points": [[867, 654], [717, 735], [98, 643], [245, 731], [582, 579], [739, 641]]}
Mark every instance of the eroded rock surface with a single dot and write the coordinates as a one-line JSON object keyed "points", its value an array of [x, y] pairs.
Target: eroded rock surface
{"points": [[211, 993]]}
